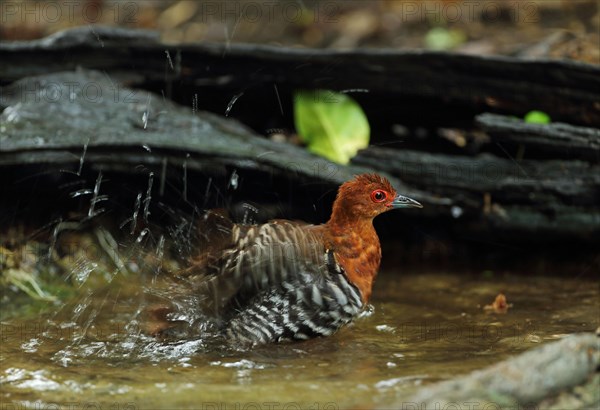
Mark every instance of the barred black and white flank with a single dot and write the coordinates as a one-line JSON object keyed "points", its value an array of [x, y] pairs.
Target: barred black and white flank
{"points": [[276, 282]]}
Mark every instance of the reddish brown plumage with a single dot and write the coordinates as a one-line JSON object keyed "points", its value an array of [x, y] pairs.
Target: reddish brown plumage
{"points": [[290, 280], [350, 232]]}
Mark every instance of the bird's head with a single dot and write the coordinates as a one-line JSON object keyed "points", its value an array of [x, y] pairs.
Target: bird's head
{"points": [[367, 196]]}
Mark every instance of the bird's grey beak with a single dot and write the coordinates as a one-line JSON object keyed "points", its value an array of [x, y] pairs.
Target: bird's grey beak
{"points": [[404, 202]]}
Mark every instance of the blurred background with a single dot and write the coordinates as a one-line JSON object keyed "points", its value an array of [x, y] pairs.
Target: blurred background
{"points": [[93, 220], [529, 28]]}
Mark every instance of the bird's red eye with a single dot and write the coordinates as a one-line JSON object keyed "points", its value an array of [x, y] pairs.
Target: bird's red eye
{"points": [[378, 196]]}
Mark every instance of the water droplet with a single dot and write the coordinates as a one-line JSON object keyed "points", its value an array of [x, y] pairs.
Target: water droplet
{"points": [[233, 180], [232, 102], [456, 211], [250, 212], [31, 346], [385, 328], [82, 271], [80, 192]]}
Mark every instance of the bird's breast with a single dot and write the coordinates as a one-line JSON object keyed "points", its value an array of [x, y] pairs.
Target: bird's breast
{"points": [[360, 257]]}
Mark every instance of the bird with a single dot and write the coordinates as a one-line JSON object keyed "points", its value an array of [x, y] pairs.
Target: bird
{"points": [[288, 280]]}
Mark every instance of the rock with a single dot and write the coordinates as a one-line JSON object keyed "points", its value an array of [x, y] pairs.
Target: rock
{"points": [[542, 375]]}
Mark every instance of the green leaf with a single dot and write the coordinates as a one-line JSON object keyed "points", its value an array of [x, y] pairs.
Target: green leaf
{"points": [[537, 117], [332, 124], [440, 38]]}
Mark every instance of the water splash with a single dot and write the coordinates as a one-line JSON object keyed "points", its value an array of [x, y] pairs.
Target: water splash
{"points": [[169, 59], [133, 218], [232, 102], [81, 160], [31, 346], [278, 98], [111, 248], [37, 380], [55, 232], [82, 157], [207, 192], [92, 212], [142, 235], [250, 212], [82, 270], [160, 252], [81, 307], [148, 197], [233, 180], [456, 211], [146, 114], [85, 191], [187, 156]]}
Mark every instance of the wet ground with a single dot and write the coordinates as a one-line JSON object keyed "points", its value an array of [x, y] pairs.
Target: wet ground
{"points": [[422, 328]]}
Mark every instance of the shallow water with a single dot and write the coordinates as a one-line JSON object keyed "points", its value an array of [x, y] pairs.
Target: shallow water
{"points": [[422, 328]]}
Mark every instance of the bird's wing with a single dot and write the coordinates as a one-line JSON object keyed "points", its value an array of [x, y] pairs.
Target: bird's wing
{"points": [[264, 283], [256, 258], [235, 262], [304, 307]]}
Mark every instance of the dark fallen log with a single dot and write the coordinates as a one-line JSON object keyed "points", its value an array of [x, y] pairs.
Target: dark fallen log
{"points": [[51, 121], [143, 130], [555, 140], [535, 196], [69, 140], [559, 373], [566, 90]]}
